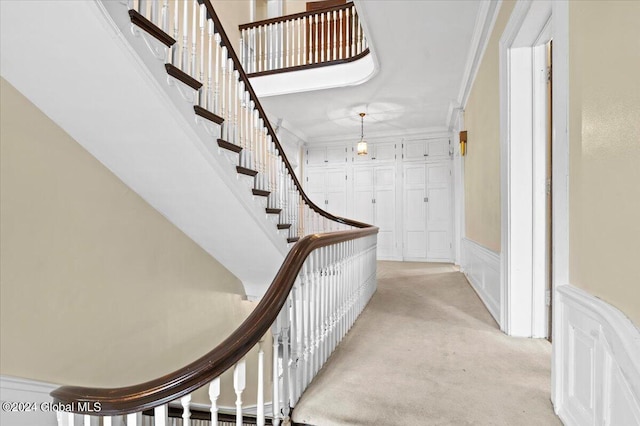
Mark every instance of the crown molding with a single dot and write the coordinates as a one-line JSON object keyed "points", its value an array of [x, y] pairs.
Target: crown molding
{"points": [[425, 132], [485, 22]]}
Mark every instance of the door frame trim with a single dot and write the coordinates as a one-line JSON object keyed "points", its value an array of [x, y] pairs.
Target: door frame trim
{"points": [[522, 271]]}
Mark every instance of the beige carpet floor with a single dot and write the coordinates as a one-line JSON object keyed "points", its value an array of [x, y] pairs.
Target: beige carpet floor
{"points": [[425, 351]]}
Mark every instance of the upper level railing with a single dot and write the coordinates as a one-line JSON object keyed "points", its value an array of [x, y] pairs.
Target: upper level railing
{"points": [[304, 40], [323, 284]]}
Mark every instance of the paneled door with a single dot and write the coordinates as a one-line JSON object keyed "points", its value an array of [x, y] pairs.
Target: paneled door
{"points": [[427, 212], [439, 214], [327, 188], [415, 212], [374, 190]]}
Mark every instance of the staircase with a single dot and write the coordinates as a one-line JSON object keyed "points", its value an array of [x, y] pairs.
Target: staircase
{"points": [[104, 78], [176, 118]]}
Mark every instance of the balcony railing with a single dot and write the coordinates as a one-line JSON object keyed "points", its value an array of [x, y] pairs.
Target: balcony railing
{"points": [[304, 40]]}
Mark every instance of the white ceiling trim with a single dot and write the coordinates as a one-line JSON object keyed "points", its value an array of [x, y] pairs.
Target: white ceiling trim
{"points": [[485, 21]]}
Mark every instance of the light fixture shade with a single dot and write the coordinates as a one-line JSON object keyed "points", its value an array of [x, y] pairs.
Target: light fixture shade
{"points": [[362, 147]]}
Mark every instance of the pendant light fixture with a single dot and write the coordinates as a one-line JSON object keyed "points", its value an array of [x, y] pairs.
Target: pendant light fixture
{"points": [[362, 145]]}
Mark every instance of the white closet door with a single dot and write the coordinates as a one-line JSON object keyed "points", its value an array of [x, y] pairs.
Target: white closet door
{"points": [[316, 187], [385, 151], [438, 147], [336, 191], [415, 150], [363, 194], [336, 155], [439, 218], [415, 212], [316, 156], [385, 209]]}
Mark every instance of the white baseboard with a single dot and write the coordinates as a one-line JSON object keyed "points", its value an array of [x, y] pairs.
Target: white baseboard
{"points": [[481, 266], [596, 361]]}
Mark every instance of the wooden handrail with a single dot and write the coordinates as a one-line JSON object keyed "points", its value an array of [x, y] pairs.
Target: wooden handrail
{"points": [[294, 16], [224, 40], [311, 66], [140, 397]]}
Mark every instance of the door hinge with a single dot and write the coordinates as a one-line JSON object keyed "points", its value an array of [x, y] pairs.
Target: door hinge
{"points": [[307, 178], [426, 199], [547, 297], [548, 73], [548, 186], [345, 177]]}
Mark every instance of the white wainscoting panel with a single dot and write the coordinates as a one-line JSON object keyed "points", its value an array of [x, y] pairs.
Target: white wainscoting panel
{"points": [[596, 361], [481, 266], [13, 389]]}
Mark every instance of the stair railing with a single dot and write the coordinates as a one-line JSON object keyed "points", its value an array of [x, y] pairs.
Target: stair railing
{"points": [[322, 286], [200, 48], [303, 40]]}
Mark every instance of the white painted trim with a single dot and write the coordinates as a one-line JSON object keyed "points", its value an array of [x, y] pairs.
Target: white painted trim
{"points": [[523, 257], [596, 360], [416, 133], [481, 266], [485, 21], [305, 80], [458, 189]]}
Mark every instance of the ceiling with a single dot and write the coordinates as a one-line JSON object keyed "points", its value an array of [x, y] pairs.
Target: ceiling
{"points": [[422, 49]]}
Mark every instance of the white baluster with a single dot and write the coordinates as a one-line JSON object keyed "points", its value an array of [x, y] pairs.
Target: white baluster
{"points": [[209, 102], [185, 37], [295, 341], [234, 96], [359, 29], [175, 49], [219, 62], [185, 401], [194, 35], [285, 356], [132, 419], [86, 420], [323, 38], [299, 42], [341, 51], [316, 36], [260, 396], [142, 7], [214, 393], [275, 395], [229, 101], [223, 98], [239, 382], [107, 421], [153, 17], [353, 31], [203, 91], [335, 35], [165, 16], [160, 416], [71, 419]]}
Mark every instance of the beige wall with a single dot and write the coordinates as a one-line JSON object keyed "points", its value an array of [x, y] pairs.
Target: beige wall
{"points": [[482, 162], [233, 13], [295, 6], [604, 64], [96, 287]]}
